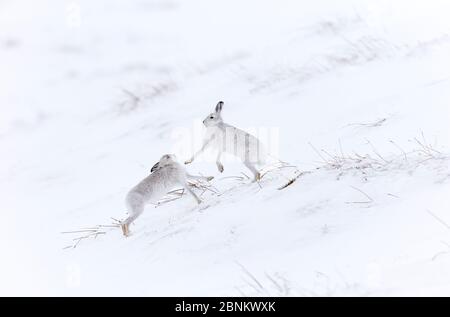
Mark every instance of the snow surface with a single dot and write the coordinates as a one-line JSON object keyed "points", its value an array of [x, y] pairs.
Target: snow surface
{"points": [[355, 93]]}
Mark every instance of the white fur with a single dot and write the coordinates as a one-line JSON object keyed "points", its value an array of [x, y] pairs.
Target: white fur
{"points": [[223, 137], [165, 176]]}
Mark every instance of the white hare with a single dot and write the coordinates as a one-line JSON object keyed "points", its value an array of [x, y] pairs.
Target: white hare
{"points": [[165, 175], [227, 138]]}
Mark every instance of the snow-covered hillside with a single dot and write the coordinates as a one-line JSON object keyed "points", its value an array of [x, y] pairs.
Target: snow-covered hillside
{"points": [[356, 94]]}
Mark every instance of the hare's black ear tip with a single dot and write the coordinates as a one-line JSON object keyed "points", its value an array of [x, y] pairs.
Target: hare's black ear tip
{"points": [[154, 168], [219, 106]]}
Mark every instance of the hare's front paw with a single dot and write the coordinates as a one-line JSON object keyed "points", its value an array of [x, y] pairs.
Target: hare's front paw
{"points": [[189, 161], [220, 167]]}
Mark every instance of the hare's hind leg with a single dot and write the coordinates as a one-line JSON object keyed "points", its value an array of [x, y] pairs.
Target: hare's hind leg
{"points": [[218, 163], [254, 170], [136, 210], [125, 229]]}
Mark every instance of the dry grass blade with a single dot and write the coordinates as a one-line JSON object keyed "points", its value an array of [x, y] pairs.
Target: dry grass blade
{"points": [[171, 196], [439, 255], [377, 153], [241, 178], [427, 149], [179, 193], [116, 222], [203, 186], [90, 233], [252, 277], [276, 167], [318, 153], [445, 224], [275, 283], [280, 165], [377, 123], [400, 148], [370, 200], [78, 231], [290, 182], [166, 201]]}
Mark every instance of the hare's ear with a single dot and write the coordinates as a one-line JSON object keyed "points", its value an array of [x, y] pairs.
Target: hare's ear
{"points": [[155, 167], [219, 107]]}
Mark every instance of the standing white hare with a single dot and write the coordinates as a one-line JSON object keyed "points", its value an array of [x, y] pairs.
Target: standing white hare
{"points": [[165, 175], [227, 138]]}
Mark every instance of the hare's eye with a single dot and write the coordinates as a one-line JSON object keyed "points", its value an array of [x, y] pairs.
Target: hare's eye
{"points": [[211, 117]]}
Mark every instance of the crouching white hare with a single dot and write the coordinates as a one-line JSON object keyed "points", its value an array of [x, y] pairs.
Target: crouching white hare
{"points": [[165, 175], [227, 138]]}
